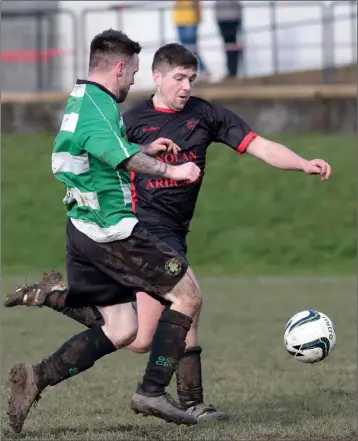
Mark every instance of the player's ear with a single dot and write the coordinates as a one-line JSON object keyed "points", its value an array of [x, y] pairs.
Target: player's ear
{"points": [[120, 69], [157, 77]]}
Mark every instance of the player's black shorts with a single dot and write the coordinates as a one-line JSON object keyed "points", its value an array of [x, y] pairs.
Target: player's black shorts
{"points": [[103, 274], [176, 239]]}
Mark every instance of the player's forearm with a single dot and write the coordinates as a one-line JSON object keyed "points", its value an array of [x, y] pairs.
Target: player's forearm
{"points": [[275, 154], [142, 163]]}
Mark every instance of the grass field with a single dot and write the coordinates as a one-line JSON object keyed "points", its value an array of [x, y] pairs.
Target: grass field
{"points": [[246, 370], [297, 233]]}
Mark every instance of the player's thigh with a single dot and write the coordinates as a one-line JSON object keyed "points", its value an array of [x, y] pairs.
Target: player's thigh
{"points": [[149, 311]]}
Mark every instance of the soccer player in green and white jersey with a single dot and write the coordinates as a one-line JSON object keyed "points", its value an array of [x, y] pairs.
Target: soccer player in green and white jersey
{"points": [[109, 255]]}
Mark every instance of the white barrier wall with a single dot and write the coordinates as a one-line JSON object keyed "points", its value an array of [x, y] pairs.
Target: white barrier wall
{"points": [[299, 47]]}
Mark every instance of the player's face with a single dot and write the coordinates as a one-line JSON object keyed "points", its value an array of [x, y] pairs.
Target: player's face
{"points": [[125, 72], [175, 86]]}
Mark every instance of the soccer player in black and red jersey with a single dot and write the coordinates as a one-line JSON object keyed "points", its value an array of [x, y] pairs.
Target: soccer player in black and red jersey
{"points": [[165, 207]]}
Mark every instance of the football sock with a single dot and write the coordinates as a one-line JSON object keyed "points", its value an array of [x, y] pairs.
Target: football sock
{"points": [[78, 354], [167, 347], [189, 378], [86, 315]]}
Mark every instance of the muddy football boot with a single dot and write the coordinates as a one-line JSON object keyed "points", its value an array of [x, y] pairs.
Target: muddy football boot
{"points": [[207, 413], [24, 394], [35, 295], [163, 407]]}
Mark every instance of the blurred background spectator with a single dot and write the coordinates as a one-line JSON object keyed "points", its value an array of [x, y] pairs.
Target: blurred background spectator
{"points": [[228, 14], [44, 43], [187, 17]]}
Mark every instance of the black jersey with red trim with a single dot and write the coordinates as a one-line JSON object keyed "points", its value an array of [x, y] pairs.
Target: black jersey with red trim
{"points": [[199, 124]]}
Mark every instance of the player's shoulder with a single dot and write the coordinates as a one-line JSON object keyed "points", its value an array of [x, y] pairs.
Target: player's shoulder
{"points": [[98, 104], [138, 109], [199, 104]]}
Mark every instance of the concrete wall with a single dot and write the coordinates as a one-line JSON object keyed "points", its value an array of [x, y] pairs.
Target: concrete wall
{"points": [[268, 109], [20, 34]]}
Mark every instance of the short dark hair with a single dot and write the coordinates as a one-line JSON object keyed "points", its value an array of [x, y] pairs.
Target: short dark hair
{"points": [[174, 55], [110, 44]]}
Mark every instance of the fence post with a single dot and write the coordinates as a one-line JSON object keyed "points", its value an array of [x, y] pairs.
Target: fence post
{"points": [[38, 39], [353, 15], [274, 48], [328, 43], [162, 26]]}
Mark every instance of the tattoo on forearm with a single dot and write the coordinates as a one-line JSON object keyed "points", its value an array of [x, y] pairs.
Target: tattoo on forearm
{"points": [[142, 163]]}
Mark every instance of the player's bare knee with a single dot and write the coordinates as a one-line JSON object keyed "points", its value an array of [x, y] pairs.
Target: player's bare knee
{"points": [[120, 337], [141, 346], [187, 292]]}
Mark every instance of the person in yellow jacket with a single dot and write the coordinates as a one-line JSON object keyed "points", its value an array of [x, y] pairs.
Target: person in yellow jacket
{"points": [[186, 17]]}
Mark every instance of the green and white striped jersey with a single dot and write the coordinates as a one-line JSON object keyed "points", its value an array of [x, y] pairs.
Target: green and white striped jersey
{"points": [[88, 149]]}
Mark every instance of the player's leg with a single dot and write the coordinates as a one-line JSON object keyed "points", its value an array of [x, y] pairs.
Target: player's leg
{"points": [[76, 355], [149, 311], [189, 379], [189, 372], [158, 270], [123, 261], [86, 284], [53, 294]]}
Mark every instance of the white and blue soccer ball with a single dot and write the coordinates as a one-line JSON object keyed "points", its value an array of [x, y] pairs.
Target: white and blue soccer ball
{"points": [[309, 336]]}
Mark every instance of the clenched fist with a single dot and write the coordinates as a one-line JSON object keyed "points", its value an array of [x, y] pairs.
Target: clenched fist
{"points": [[161, 145], [185, 172]]}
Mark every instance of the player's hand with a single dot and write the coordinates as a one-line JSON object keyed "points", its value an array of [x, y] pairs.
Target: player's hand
{"points": [[185, 172], [318, 167], [162, 145]]}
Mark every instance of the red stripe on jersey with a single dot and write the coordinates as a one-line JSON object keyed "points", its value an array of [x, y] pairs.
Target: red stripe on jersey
{"points": [[245, 142], [162, 109], [133, 191]]}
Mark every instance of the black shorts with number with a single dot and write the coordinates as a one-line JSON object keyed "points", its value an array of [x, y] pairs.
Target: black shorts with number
{"points": [[103, 274]]}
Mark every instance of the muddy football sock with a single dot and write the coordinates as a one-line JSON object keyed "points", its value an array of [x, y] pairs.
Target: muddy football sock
{"points": [[189, 378], [78, 354], [86, 315], [167, 347]]}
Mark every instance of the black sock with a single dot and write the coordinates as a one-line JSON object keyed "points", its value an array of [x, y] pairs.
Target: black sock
{"points": [[167, 347], [189, 378], [86, 315], [76, 355]]}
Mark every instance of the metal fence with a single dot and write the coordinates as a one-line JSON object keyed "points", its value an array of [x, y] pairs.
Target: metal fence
{"points": [[60, 54]]}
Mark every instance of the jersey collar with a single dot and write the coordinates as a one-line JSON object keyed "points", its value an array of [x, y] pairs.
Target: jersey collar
{"points": [[99, 87], [159, 109]]}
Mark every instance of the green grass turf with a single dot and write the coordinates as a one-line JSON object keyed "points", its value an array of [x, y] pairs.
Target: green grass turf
{"points": [[250, 218], [246, 369]]}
